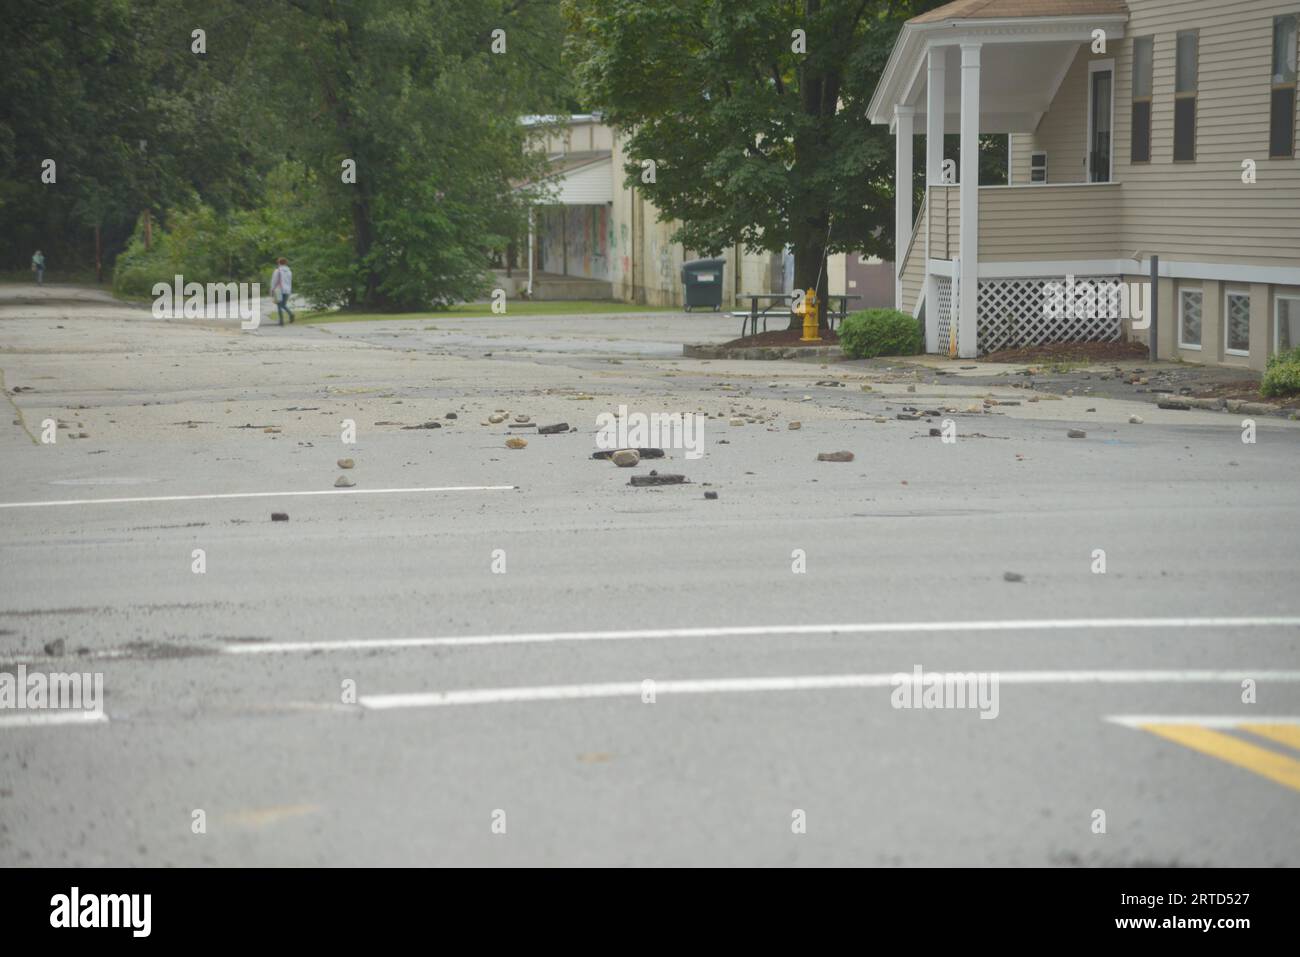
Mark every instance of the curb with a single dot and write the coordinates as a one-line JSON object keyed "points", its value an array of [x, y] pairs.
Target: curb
{"points": [[703, 351]]}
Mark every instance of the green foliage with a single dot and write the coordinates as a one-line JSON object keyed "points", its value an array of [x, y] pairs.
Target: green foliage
{"points": [[1282, 374], [200, 245], [880, 332], [238, 151]]}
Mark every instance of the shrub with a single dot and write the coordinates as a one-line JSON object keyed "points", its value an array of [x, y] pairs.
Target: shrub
{"points": [[880, 332], [1282, 375]]}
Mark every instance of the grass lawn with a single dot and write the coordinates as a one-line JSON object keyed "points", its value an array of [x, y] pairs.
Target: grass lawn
{"points": [[472, 309]]}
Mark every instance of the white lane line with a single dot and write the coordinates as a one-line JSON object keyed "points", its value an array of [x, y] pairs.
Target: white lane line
{"points": [[737, 631], [1204, 721], [41, 718], [193, 498], [620, 689]]}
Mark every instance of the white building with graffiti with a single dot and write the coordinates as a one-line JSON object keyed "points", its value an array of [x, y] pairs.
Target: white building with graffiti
{"points": [[598, 238]]}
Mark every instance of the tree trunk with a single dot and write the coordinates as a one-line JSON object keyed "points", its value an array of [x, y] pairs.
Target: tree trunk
{"points": [[810, 272], [99, 256]]}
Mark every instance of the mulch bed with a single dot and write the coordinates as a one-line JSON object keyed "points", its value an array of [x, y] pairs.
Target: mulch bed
{"points": [[781, 337], [1072, 352]]}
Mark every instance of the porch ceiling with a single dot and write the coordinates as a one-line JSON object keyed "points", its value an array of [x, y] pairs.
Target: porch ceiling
{"points": [[1018, 82], [1023, 61]]}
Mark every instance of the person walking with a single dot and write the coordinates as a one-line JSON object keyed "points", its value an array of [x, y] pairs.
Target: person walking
{"points": [[281, 287], [38, 267]]}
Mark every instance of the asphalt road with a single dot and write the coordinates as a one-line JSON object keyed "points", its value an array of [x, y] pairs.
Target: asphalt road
{"points": [[448, 662]]}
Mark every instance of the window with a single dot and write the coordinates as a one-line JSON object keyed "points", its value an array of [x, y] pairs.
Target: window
{"points": [[1236, 324], [1038, 167], [1185, 97], [1281, 133], [1143, 55], [1189, 318], [1286, 322]]}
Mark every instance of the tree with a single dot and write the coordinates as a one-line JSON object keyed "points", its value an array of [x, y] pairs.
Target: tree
{"points": [[402, 118], [754, 113]]}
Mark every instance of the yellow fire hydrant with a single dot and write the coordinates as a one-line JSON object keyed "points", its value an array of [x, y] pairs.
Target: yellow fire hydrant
{"points": [[810, 317]]}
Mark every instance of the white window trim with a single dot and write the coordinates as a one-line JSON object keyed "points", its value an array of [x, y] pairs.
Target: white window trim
{"points": [[1188, 345], [1227, 323], [1099, 66], [1277, 316]]}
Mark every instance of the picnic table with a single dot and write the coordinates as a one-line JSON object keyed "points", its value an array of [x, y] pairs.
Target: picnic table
{"points": [[775, 300]]}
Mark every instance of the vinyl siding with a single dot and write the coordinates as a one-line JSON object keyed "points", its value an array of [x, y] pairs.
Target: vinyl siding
{"points": [[1050, 222], [913, 274], [1197, 211], [945, 221]]}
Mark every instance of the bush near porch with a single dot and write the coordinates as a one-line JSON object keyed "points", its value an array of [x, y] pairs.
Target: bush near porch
{"points": [[1282, 375], [880, 332]]}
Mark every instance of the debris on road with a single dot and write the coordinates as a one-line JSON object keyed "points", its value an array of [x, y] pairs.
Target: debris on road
{"points": [[343, 482], [794, 426], [626, 458], [654, 478], [1077, 434], [1135, 420], [516, 443], [710, 495], [451, 415], [644, 453], [346, 463], [279, 516], [424, 425], [1012, 577], [1177, 404], [553, 429], [496, 418], [834, 456], [55, 648]]}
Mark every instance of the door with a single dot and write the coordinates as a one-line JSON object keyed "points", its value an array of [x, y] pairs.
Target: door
{"points": [[1100, 117]]}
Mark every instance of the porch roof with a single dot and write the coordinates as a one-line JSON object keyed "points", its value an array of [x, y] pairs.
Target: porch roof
{"points": [[579, 179], [987, 9], [1027, 47]]}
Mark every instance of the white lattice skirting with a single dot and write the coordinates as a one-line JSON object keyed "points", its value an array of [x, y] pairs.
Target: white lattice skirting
{"points": [[943, 303], [1012, 314]]}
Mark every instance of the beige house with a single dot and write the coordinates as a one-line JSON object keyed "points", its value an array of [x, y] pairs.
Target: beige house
{"points": [[1163, 128]]}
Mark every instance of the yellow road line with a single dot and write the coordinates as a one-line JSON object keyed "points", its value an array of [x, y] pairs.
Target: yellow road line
{"points": [[1288, 734], [1252, 757]]}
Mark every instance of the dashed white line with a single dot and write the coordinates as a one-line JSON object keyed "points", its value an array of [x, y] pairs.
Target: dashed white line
{"points": [[621, 689], [229, 495], [741, 631], [51, 717]]}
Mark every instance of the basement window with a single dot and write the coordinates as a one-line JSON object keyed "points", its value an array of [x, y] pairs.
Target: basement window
{"points": [[1190, 302], [1286, 322], [1236, 322]]}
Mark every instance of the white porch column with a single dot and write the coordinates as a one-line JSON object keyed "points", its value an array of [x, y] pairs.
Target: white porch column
{"points": [[934, 129], [937, 70], [967, 333], [903, 116]]}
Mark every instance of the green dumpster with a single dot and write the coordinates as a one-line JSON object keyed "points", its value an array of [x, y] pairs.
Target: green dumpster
{"points": [[702, 282]]}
